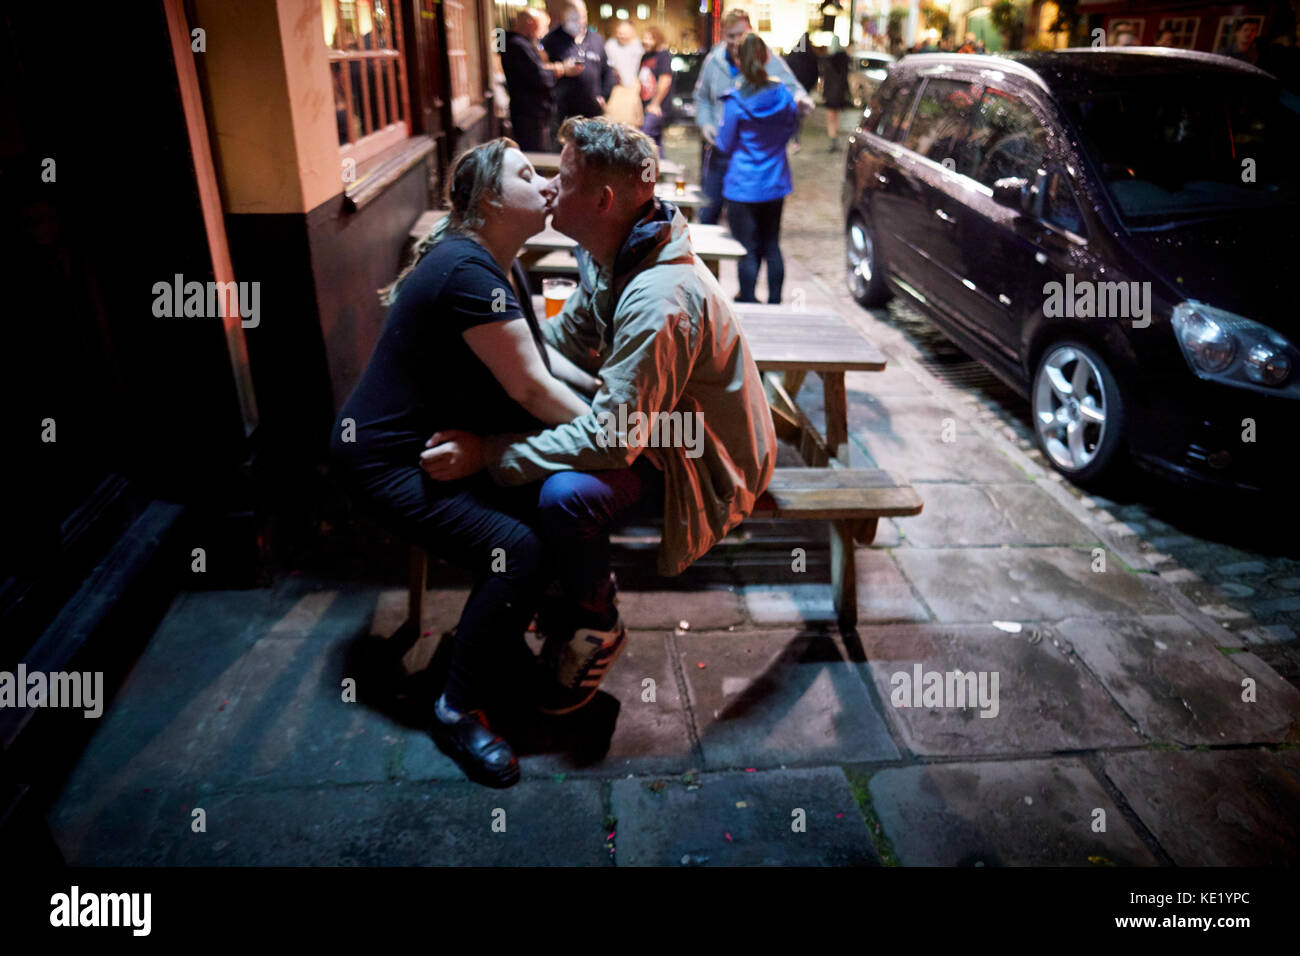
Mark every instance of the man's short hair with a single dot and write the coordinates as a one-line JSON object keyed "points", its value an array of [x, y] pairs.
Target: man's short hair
{"points": [[732, 15], [619, 155]]}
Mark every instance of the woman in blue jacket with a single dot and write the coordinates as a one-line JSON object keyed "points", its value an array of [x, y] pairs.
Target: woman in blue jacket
{"points": [[758, 120]]}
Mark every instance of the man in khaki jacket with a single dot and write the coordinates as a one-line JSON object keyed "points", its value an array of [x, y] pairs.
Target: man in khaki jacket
{"points": [[681, 417]]}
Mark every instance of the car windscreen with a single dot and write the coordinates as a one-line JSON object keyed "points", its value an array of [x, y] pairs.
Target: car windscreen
{"points": [[1188, 147]]}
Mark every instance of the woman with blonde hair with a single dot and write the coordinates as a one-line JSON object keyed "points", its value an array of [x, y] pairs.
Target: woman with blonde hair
{"points": [[461, 349], [758, 119]]}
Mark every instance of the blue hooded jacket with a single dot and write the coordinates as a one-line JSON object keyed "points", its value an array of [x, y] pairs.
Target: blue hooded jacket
{"points": [[755, 129]]}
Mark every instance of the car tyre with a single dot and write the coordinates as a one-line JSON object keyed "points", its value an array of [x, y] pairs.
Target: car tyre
{"points": [[862, 266], [1078, 411]]}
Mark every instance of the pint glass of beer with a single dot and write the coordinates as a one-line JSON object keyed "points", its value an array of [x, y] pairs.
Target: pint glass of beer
{"points": [[555, 291]]}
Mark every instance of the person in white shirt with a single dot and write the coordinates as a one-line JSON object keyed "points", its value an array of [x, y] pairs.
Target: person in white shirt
{"points": [[623, 50]]}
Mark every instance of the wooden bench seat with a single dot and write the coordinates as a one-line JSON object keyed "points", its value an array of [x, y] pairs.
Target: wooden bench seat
{"points": [[853, 500]]}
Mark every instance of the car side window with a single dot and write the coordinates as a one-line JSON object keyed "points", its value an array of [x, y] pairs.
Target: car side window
{"points": [[1060, 208], [895, 113], [941, 120], [882, 101], [1007, 140]]}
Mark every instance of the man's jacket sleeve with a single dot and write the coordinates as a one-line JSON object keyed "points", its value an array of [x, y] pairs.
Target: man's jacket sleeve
{"points": [[706, 97], [728, 130], [777, 67], [647, 371]]}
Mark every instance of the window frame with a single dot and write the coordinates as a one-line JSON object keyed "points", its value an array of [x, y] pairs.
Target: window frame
{"points": [[1178, 31], [1223, 35], [394, 90], [464, 52]]}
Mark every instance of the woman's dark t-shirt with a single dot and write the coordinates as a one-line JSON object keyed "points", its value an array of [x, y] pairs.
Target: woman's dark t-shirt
{"points": [[423, 377]]}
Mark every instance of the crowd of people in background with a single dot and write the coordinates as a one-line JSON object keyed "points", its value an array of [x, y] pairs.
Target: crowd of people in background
{"points": [[749, 103], [568, 71], [969, 44]]}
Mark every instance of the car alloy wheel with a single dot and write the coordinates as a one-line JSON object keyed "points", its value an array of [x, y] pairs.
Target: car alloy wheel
{"points": [[865, 284], [1078, 411]]}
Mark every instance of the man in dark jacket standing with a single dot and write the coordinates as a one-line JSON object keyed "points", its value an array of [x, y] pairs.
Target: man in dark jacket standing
{"points": [[530, 82], [582, 93]]}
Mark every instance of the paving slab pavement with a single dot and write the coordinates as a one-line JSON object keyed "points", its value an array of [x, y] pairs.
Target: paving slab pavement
{"points": [[769, 697], [1043, 700], [992, 515], [446, 823], [784, 818], [1217, 807], [1025, 584], [1005, 813], [1178, 686]]}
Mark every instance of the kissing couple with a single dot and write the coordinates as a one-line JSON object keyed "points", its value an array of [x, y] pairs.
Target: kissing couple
{"points": [[480, 434]]}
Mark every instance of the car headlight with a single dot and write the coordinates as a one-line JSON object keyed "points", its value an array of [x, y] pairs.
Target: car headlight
{"points": [[1223, 347]]}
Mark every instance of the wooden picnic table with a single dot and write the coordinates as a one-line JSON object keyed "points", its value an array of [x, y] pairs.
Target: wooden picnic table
{"points": [[793, 341], [688, 202], [548, 164]]}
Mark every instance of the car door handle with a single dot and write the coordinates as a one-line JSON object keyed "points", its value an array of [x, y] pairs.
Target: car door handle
{"points": [[944, 216]]}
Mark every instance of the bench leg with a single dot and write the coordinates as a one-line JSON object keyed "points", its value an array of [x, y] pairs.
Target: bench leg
{"points": [[416, 578], [844, 579], [864, 532]]}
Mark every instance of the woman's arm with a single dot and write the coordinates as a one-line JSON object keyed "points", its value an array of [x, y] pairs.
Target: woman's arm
{"points": [[508, 350], [567, 372]]}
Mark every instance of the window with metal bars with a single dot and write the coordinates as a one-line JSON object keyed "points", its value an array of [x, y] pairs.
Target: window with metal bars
{"points": [[368, 72]]}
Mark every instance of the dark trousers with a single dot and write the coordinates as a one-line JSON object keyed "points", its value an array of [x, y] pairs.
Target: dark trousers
{"points": [[514, 541], [576, 510], [532, 130], [480, 528], [757, 227], [714, 169]]}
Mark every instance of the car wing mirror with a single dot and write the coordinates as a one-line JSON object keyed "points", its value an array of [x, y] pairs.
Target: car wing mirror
{"points": [[1012, 192]]}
